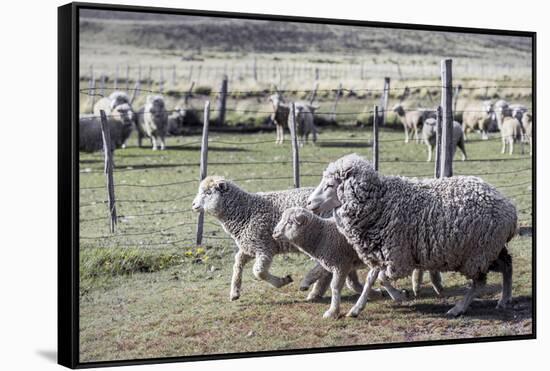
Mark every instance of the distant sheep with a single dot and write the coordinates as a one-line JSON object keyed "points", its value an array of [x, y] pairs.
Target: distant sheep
{"points": [[502, 110], [429, 137], [279, 116], [305, 123], [511, 132], [91, 137], [116, 105], [474, 118], [412, 120], [527, 121], [153, 122], [459, 223]]}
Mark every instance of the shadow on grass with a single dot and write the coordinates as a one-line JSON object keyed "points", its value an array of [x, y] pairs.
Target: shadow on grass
{"points": [[344, 144]]}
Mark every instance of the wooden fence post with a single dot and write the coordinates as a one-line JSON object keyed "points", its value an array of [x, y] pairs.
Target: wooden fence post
{"points": [[313, 93], [384, 101], [222, 101], [92, 93], [203, 165], [336, 99], [447, 118], [189, 93], [375, 143], [135, 93], [316, 73], [199, 74], [437, 170], [109, 165], [115, 83], [455, 98], [127, 78], [161, 80], [173, 75], [150, 78], [295, 151], [102, 85]]}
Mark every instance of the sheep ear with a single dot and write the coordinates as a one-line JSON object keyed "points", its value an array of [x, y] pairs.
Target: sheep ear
{"points": [[300, 218], [346, 173], [222, 186]]}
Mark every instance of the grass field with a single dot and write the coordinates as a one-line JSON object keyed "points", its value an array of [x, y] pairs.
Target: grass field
{"points": [[148, 291]]}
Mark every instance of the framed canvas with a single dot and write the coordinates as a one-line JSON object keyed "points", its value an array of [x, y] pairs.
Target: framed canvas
{"points": [[243, 185]]}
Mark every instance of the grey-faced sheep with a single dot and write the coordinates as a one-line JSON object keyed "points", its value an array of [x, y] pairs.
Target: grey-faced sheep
{"points": [[249, 218], [305, 124], [429, 137], [511, 132], [279, 116], [517, 111], [527, 121], [117, 105], [153, 122], [457, 224], [474, 118], [412, 120], [91, 137], [320, 239]]}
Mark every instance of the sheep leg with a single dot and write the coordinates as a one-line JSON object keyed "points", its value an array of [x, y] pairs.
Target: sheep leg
{"points": [[140, 139], [338, 280], [417, 278], [154, 143], [503, 151], [162, 144], [236, 280], [435, 278], [462, 305], [503, 264], [429, 153], [352, 282], [261, 272], [406, 133], [362, 301], [320, 287], [395, 294], [511, 143], [462, 148], [312, 276]]}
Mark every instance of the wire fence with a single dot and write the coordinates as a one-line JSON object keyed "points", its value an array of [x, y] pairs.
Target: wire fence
{"points": [[147, 208]]}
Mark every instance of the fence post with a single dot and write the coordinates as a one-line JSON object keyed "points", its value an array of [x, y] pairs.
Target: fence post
{"points": [[336, 99], [295, 152], [203, 165], [455, 98], [384, 101], [161, 82], [102, 85], [127, 78], [150, 78], [116, 77], [437, 170], [188, 94], [139, 73], [313, 93], [375, 143], [135, 93], [222, 101], [447, 118], [91, 86], [109, 165], [173, 75]]}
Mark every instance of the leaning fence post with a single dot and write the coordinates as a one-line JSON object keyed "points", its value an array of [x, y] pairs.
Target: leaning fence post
{"points": [[295, 151], [375, 143], [384, 101], [109, 165], [222, 102], [336, 99], [437, 170], [203, 165], [447, 118]]}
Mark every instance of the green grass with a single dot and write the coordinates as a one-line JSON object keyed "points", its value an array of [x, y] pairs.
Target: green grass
{"points": [[147, 291]]}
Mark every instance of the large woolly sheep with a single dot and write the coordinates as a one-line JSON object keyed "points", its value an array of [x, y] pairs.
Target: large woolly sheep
{"points": [[305, 124], [153, 122], [91, 137], [279, 116], [249, 218], [412, 120], [475, 119], [527, 122], [511, 132], [457, 224], [429, 137], [320, 239]]}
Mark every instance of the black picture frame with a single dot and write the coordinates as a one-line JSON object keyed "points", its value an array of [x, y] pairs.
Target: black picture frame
{"points": [[68, 183]]}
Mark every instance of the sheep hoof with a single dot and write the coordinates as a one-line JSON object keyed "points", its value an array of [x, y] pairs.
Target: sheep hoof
{"points": [[503, 304], [331, 314], [314, 298], [304, 287], [454, 312], [234, 297], [353, 313]]}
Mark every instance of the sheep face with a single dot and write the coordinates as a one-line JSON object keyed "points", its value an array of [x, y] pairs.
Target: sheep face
{"points": [[325, 196], [291, 224], [210, 195], [123, 112], [399, 110]]}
